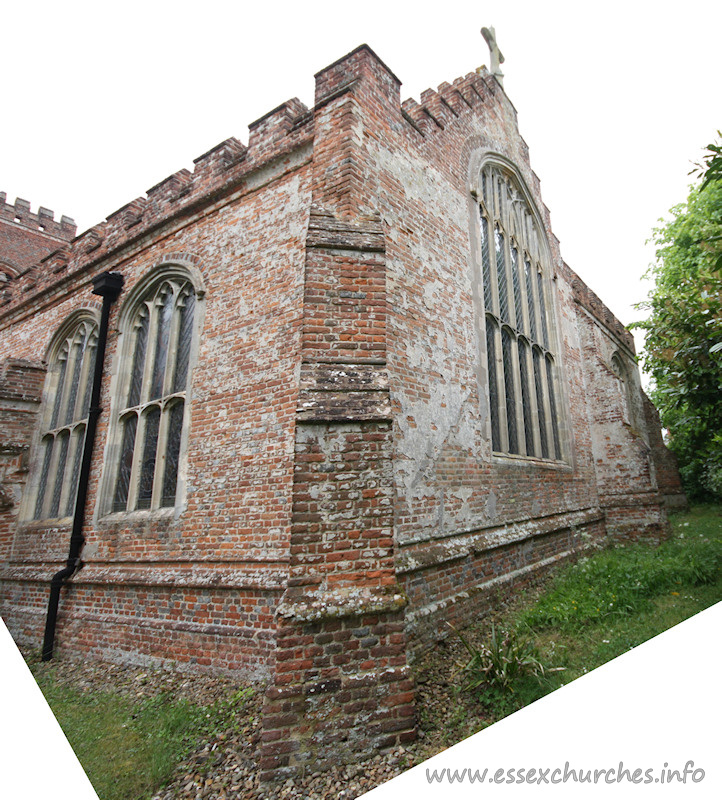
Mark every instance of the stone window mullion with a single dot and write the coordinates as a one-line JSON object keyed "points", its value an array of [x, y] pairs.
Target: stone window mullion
{"points": [[42, 501], [487, 272], [66, 477], [510, 314], [542, 306], [123, 487], [493, 382], [527, 397], [56, 388], [553, 409], [57, 471], [536, 326], [155, 367], [525, 329], [508, 403], [518, 399], [132, 389], [138, 448], [516, 281], [150, 348], [501, 405], [533, 402], [547, 407], [531, 298], [64, 394], [78, 357], [519, 319], [173, 338], [539, 391], [86, 378], [160, 456], [176, 429], [77, 439]]}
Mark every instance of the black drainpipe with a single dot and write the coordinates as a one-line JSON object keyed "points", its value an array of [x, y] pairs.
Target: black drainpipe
{"points": [[108, 285]]}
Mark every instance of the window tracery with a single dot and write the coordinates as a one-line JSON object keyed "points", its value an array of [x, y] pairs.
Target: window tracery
{"points": [[151, 412], [521, 363], [64, 418]]}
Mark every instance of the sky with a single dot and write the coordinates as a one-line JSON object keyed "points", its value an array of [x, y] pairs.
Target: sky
{"points": [[616, 100]]}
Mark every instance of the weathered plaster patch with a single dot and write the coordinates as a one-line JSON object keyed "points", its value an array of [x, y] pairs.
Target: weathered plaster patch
{"points": [[491, 505], [421, 183]]}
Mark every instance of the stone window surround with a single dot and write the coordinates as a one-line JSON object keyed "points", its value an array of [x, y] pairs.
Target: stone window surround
{"points": [[624, 369], [480, 160], [75, 428], [172, 267], [620, 372]]}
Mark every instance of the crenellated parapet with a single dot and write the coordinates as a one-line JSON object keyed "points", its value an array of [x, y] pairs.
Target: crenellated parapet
{"points": [[20, 214], [216, 173], [26, 237], [438, 109], [229, 165], [593, 305]]}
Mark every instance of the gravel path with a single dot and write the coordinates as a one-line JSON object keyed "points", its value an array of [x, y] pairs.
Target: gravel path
{"points": [[225, 767]]}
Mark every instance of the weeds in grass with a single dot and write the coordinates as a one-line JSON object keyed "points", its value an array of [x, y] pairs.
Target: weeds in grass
{"points": [[595, 610], [505, 672], [500, 662]]}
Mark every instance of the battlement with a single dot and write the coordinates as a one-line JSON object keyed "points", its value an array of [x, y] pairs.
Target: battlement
{"points": [[216, 172], [439, 108], [19, 213], [280, 513], [222, 169], [591, 303]]}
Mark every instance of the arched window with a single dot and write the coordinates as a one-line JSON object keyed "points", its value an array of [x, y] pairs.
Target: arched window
{"points": [[625, 390], [158, 337], [64, 417], [519, 325]]}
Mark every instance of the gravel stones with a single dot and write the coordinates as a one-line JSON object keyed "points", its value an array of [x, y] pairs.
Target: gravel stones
{"points": [[225, 767]]}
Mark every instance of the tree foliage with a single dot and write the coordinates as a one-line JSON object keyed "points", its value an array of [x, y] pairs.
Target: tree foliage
{"points": [[683, 350], [711, 167]]}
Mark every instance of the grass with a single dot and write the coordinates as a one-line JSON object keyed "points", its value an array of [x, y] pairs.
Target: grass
{"points": [[130, 747], [590, 612], [606, 604]]}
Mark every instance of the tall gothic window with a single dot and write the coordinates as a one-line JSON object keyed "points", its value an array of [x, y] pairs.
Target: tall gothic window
{"points": [[521, 364], [65, 417], [155, 370]]}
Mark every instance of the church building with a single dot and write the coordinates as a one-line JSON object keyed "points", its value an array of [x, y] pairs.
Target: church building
{"points": [[288, 414]]}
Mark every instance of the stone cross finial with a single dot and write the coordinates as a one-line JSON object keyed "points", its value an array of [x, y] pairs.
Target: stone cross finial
{"points": [[497, 57]]}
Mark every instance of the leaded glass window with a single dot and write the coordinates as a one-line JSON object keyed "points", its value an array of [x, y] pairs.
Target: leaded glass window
{"points": [[491, 349], [152, 413], [65, 418], [523, 395]]}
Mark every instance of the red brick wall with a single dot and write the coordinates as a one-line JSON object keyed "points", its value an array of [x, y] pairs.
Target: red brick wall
{"points": [[343, 502], [665, 462], [624, 462], [231, 540], [27, 237], [463, 519], [341, 686], [20, 389]]}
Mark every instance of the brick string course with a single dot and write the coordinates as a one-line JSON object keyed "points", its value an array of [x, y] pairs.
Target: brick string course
{"points": [[340, 501]]}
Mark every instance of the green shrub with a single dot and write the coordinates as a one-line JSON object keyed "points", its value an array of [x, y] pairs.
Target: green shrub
{"points": [[499, 663], [504, 673]]}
